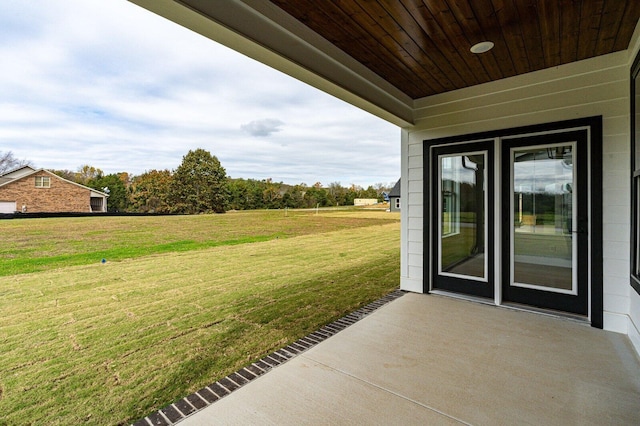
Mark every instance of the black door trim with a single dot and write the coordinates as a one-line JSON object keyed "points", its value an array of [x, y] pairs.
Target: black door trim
{"points": [[595, 164], [461, 285]]}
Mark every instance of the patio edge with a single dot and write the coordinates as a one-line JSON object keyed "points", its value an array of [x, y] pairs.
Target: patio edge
{"points": [[191, 404]]}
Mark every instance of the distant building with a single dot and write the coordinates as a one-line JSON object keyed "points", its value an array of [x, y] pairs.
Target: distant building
{"points": [[394, 198], [365, 201], [28, 190]]}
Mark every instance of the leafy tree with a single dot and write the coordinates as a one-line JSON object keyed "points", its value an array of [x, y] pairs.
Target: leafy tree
{"points": [[315, 196], [370, 192], [87, 173], [256, 194], [294, 197], [350, 196], [271, 195], [337, 194], [65, 174], [238, 194], [113, 185], [199, 184], [150, 191], [243, 194], [8, 162], [125, 178]]}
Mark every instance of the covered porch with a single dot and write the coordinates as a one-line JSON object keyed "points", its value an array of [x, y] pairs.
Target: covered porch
{"points": [[557, 81], [427, 359]]}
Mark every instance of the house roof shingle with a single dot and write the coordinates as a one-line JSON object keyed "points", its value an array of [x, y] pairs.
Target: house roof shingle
{"points": [[395, 192]]}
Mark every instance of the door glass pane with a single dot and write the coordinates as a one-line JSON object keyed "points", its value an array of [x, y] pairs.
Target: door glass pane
{"points": [[462, 215], [543, 217]]}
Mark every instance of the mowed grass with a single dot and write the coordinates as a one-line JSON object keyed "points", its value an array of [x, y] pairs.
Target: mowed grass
{"points": [[32, 245], [110, 343]]}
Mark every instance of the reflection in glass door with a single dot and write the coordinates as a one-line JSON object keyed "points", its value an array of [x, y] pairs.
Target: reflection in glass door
{"points": [[463, 223], [544, 249], [462, 218], [545, 221]]}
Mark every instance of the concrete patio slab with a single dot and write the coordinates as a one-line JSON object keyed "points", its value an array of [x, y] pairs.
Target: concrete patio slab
{"points": [[426, 359]]}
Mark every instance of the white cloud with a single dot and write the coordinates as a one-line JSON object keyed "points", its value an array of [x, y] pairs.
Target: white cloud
{"points": [[112, 85], [262, 128]]}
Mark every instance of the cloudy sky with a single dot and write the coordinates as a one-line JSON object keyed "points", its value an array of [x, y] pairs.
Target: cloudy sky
{"points": [[111, 85]]}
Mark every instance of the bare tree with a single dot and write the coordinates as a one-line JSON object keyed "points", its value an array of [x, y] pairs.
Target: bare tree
{"points": [[9, 162]]}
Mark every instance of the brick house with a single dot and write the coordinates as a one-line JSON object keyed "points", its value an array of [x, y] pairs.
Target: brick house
{"points": [[29, 190]]}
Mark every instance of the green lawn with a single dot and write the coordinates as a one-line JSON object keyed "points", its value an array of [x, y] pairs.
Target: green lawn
{"points": [[179, 303], [32, 245]]}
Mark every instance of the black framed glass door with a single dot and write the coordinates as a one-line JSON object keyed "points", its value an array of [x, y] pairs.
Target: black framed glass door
{"points": [[545, 221], [544, 238], [462, 199]]}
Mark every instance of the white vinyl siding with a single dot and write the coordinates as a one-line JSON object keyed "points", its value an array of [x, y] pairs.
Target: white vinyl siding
{"points": [[633, 325]]}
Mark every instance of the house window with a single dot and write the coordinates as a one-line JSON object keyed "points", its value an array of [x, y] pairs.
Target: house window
{"points": [[43, 182], [398, 203], [635, 174]]}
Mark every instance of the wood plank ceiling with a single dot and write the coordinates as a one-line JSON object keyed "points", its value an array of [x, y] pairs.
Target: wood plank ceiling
{"points": [[422, 46]]}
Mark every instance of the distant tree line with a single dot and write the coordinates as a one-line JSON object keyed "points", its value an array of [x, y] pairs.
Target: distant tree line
{"points": [[247, 194], [200, 185]]}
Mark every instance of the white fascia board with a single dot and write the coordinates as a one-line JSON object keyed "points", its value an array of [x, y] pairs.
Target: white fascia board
{"points": [[98, 194], [262, 31]]}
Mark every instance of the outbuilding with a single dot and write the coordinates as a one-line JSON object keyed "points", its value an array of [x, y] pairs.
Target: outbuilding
{"points": [[394, 197]]}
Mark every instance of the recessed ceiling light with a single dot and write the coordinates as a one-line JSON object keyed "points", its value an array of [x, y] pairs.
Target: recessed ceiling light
{"points": [[482, 47]]}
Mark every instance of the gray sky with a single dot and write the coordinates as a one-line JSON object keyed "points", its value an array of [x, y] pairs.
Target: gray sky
{"points": [[106, 83]]}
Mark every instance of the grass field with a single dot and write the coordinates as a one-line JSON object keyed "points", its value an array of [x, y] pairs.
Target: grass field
{"points": [[180, 302]]}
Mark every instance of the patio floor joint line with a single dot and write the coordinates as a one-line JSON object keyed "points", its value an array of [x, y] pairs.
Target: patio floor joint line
{"points": [[199, 400]]}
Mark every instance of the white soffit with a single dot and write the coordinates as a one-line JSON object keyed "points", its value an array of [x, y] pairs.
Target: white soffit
{"points": [[264, 32]]}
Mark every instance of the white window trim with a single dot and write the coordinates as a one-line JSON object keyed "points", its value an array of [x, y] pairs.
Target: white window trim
{"points": [[43, 182]]}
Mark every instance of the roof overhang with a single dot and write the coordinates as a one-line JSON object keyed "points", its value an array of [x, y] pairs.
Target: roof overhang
{"points": [[262, 31], [389, 58]]}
